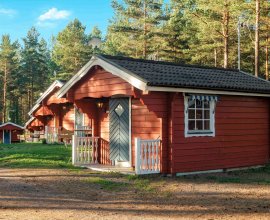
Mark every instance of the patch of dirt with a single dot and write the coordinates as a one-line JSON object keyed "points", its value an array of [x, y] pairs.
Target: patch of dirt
{"points": [[62, 194]]}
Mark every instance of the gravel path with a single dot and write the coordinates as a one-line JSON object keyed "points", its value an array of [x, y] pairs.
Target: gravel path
{"points": [[61, 194]]}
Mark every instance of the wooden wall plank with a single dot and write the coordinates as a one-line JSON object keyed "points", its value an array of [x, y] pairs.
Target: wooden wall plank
{"points": [[242, 136]]}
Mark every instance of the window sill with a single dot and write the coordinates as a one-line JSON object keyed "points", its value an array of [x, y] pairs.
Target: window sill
{"points": [[200, 134]]}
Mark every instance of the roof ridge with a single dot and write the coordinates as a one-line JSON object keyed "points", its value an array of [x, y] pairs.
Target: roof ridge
{"points": [[165, 62]]}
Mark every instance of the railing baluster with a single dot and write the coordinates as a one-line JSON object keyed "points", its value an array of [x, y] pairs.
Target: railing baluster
{"points": [[85, 150], [147, 156]]}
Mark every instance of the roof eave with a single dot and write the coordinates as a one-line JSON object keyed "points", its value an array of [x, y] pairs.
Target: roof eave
{"points": [[204, 91], [11, 123]]}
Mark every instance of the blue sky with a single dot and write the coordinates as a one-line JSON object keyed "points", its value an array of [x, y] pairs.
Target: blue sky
{"points": [[51, 16]]}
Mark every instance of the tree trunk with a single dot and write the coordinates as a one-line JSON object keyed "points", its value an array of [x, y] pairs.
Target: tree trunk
{"points": [[5, 94], [257, 38], [215, 56], [226, 33], [32, 88], [28, 100], [266, 63], [144, 32]]}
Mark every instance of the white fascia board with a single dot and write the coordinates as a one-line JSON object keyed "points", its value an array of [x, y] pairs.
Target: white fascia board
{"points": [[204, 91], [11, 123], [108, 66], [45, 94]]}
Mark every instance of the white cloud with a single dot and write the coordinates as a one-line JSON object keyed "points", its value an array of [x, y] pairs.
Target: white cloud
{"points": [[8, 12], [54, 14]]}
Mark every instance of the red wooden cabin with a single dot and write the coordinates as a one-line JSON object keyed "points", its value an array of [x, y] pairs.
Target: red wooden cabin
{"points": [[53, 115], [170, 118], [9, 132]]}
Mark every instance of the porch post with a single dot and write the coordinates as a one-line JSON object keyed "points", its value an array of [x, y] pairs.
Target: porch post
{"points": [[74, 149], [137, 155], [46, 133]]}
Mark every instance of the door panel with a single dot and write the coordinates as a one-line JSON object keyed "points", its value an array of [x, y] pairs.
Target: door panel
{"points": [[119, 129], [6, 137]]}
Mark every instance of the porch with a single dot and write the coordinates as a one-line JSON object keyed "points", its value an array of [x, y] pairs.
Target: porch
{"points": [[62, 135], [86, 152]]}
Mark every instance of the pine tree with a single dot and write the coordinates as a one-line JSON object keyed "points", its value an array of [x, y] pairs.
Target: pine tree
{"points": [[8, 64], [178, 32], [135, 26], [71, 50], [216, 24], [34, 66]]}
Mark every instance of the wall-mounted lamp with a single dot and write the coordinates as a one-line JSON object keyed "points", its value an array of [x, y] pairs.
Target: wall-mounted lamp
{"points": [[99, 104]]}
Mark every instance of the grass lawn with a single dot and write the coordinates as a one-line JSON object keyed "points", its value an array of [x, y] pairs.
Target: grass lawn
{"points": [[35, 155]]}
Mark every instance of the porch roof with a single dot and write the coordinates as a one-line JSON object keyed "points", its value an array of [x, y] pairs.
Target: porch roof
{"points": [[43, 111], [148, 75], [33, 122]]}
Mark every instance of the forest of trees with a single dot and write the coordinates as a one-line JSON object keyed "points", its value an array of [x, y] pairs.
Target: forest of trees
{"points": [[203, 32]]}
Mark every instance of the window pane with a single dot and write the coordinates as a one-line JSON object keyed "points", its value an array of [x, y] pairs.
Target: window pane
{"points": [[199, 104], [206, 104], [191, 103], [191, 114], [207, 125], [199, 114], [199, 125], [191, 125], [206, 114]]}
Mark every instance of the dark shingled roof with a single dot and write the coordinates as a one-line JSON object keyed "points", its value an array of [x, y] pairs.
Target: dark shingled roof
{"points": [[166, 74]]}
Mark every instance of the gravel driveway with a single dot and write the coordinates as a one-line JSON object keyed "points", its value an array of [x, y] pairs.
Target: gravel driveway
{"points": [[64, 194]]}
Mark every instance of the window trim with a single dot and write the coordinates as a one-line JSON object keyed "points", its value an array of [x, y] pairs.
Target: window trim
{"points": [[206, 133]]}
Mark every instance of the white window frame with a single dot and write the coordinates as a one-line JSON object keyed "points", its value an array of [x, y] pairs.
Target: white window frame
{"points": [[211, 132]]}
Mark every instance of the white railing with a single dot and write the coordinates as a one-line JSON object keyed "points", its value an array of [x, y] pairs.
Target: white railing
{"points": [[147, 154], [52, 134], [84, 150]]}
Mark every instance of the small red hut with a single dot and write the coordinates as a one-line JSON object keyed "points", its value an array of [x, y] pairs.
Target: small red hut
{"points": [[9, 132]]}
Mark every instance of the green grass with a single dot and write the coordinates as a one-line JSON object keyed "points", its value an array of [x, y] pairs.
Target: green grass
{"points": [[250, 176], [106, 183], [35, 155]]}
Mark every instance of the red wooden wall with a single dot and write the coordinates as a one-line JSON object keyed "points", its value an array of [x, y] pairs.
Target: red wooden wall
{"points": [[242, 136], [149, 115], [68, 117], [14, 135], [100, 83]]}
